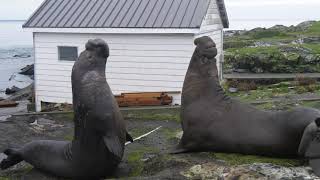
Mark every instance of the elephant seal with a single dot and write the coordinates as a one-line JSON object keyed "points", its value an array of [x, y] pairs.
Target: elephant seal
{"points": [[211, 121], [100, 132]]}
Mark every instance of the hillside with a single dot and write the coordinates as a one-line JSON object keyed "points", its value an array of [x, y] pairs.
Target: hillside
{"points": [[279, 49]]}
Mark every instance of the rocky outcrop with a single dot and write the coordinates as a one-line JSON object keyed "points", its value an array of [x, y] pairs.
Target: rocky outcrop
{"points": [[259, 171], [28, 70], [12, 90], [278, 49]]}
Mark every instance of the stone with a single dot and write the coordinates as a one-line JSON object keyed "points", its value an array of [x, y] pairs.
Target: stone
{"points": [[12, 90]]}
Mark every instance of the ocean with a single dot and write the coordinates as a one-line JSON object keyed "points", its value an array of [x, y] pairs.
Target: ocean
{"points": [[14, 42]]}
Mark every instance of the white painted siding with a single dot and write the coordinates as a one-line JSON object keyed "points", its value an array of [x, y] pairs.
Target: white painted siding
{"points": [[212, 20], [137, 63]]}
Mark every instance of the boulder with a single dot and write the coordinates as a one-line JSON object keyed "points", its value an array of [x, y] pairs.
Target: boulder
{"points": [[28, 70], [22, 56], [12, 90]]}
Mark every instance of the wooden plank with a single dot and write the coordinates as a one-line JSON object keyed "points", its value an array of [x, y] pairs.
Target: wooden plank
{"points": [[144, 99], [269, 75], [5, 104]]}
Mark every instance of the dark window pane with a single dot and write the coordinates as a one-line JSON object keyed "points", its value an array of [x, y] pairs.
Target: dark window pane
{"points": [[68, 53]]}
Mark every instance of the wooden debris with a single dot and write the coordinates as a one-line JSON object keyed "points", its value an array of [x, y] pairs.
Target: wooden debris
{"points": [[144, 99], [5, 104]]}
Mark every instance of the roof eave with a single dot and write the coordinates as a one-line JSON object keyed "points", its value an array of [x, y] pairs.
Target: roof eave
{"points": [[223, 13], [116, 30]]}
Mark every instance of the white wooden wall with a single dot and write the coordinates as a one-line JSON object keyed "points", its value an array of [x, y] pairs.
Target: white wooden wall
{"points": [[137, 63]]}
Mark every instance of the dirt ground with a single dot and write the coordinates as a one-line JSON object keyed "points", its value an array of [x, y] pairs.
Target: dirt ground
{"points": [[147, 158]]}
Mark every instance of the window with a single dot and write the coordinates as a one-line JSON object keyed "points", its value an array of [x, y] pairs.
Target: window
{"points": [[67, 53]]}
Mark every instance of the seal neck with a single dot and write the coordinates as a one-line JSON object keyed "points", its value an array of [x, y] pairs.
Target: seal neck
{"points": [[202, 81]]}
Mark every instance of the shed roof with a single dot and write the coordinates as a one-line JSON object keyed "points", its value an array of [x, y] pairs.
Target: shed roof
{"points": [[122, 14]]}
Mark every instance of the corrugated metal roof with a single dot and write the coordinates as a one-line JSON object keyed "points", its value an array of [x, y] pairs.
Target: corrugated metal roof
{"points": [[119, 14]]}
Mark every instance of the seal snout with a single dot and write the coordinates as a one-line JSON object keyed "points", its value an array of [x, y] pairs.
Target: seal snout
{"points": [[99, 46], [206, 47]]}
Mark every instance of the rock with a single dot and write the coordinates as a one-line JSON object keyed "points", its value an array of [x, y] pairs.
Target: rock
{"points": [[2, 156], [205, 171], [5, 118], [28, 70], [233, 90], [22, 56], [241, 70], [279, 28], [278, 172], [311, 40], [257, 171], [179, 135], [304, 25], [44, 125], [23, 94], [12, 90]]}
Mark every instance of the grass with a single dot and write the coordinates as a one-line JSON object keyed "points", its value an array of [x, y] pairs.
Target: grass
{"points": [[156, 115], [314, 47], [254, 50], [16, 174], [314, 29], [135, 160], [68, 137], [239, 159], [170, 133], [139, 131], [312, 104]]}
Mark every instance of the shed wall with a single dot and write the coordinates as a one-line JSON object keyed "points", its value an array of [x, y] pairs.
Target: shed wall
{"points": [[137, 63]]}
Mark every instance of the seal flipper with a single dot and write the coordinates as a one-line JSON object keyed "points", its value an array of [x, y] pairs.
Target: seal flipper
{"points": [[128, 137], [114, 146], [13, 158]]}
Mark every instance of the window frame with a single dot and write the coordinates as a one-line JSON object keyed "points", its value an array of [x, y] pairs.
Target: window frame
{"points": [[67, 60]]}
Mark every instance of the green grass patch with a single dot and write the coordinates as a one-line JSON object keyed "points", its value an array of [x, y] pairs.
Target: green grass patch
{"points": [[136, 132], [239, 159], [312, 104], [254, 50], [16, 174], [314, 47], [170, 133], [68, 137], [135, 160], [156, 115], [315, 29]]}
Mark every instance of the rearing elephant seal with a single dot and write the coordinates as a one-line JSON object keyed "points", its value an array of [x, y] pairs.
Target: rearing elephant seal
{"points": [[100, 132], [211, 121]]}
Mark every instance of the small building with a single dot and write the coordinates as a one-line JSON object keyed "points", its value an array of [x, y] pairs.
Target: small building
{"points": [[151, 42]]}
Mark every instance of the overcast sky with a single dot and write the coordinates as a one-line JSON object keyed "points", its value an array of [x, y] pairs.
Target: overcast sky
{"points": [[267, 11]]}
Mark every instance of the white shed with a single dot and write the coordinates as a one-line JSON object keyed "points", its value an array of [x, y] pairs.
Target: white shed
{"points": [[151, 42]]}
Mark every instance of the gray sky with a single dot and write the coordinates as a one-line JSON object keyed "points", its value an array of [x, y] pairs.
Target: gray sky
{"points": [[242, 13]]}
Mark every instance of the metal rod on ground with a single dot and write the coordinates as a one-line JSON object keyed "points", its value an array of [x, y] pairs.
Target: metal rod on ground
{"points": [[145, 135]]}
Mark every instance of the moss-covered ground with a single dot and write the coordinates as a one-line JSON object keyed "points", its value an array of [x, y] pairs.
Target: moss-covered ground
{"points": [[149, 157]]}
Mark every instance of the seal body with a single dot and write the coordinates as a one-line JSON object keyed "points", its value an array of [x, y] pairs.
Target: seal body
{"points": [[100, 132], [211, 121]]}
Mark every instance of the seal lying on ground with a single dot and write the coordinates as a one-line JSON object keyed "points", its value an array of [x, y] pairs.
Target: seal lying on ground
{"points": [[100, 132], [211, 121]]}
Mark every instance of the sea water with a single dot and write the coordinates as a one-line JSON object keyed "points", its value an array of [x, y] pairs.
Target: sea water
{"points": [[14, 43]]}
